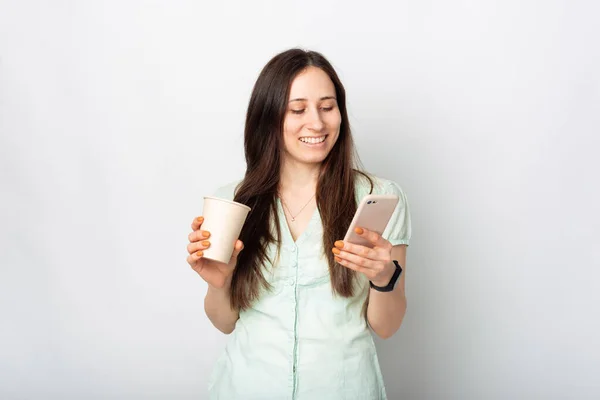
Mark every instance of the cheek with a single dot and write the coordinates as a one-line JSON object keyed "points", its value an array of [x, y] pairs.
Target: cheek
{"points": [[334, 121], [290, 132], [290, 128]]}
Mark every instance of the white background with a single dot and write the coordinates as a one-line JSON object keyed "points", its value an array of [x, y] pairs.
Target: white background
{"points": [[116, 117]]}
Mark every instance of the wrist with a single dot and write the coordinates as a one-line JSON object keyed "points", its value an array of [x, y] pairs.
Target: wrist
{"points": [[387, 275], [391, 284], [221, 289]]}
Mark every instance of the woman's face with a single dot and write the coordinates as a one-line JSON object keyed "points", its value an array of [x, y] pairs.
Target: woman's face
{"points": [[312, 121]]}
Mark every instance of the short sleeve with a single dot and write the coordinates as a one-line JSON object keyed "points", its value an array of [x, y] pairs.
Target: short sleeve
{"points": [[399, 229], [226, 192]]}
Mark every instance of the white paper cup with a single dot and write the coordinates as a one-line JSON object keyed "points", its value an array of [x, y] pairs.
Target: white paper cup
{"points": [[224, 220]]}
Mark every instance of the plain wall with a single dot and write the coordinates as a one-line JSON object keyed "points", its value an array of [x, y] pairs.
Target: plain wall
{"points": [[116, 117]]}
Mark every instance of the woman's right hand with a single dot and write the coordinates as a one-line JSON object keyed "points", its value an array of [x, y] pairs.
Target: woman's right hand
{"points": [[215, 273]]}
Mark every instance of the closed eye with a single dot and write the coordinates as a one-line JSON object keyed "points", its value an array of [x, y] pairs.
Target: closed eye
{"points": [[298, 112]]}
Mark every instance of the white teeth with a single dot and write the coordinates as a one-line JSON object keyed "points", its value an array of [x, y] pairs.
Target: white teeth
{"points": [[313, 140]]}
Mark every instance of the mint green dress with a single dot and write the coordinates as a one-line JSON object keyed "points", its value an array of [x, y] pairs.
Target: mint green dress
{"points": [[299, 341]]}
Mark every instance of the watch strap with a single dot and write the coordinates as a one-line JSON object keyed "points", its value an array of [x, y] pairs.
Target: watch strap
{"points": [[390, 286]]}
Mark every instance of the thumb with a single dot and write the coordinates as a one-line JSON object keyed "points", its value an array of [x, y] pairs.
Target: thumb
{"points": [[239, 246]]}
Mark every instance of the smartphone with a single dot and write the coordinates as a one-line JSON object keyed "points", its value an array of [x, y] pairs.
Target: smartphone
{"points": [[373, 213]]}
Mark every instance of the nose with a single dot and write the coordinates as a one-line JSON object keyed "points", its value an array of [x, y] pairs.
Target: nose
{"points": [[316, 122]]}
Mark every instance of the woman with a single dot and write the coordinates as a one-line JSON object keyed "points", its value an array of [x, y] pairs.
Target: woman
{"points": [[298, 301]]}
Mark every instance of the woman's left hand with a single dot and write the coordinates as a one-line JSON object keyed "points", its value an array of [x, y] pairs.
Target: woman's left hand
{"points": [[376, 263]]}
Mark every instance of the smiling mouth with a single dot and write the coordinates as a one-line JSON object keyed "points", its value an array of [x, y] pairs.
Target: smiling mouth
{"points": [[313, 139]]}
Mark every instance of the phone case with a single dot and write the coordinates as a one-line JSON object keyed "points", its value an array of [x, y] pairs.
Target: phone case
{"points": [[373, 213]]}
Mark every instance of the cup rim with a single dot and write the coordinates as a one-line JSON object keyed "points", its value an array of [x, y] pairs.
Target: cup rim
{"points": [[235, 203]]}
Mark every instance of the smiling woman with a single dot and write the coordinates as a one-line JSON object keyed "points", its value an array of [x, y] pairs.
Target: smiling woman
{"points": [[299, 302]]}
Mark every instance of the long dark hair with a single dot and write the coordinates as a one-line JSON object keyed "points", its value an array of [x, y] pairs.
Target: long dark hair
{"points": [[263, 145]]}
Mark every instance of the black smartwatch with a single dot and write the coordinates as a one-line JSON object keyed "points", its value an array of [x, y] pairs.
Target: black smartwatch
{"points": [[390, 286]]}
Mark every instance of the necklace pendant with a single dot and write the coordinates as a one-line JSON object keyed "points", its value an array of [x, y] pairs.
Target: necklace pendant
{"points": [[293, 219]]}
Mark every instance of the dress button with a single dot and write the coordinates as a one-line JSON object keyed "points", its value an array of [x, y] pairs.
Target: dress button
{"points": [[292, 282], [294, 264], [293, 249]]}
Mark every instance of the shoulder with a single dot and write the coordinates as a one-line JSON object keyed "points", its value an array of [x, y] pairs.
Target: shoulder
{"points": [[228, 190], [372, 184]]}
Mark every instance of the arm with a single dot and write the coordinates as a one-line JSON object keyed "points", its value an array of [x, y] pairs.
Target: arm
{"points": [[218, 275], [217, 306], [385, 311]]}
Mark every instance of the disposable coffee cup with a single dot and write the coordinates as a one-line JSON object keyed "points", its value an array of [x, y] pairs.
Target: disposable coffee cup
{"points": [[224, 220]]}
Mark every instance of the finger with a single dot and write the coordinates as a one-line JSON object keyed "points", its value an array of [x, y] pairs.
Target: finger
{"points": [[237, 249], [198, 235], [373, 237], [354, 267], [354, 259], [357, 249], [197, 223], [196, 246], [193, 259]]}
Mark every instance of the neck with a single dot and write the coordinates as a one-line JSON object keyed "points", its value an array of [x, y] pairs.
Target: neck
{"points": [[299, 177]]}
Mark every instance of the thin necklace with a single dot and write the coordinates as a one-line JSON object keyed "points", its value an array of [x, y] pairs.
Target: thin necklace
{"points": [[288, 210]]}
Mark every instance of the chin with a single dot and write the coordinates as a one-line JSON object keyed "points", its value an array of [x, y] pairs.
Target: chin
{"points": [[303, 159], [314, 158]]}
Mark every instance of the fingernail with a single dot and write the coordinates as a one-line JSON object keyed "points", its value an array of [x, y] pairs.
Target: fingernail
{"points": [[339, 244], [206, 243], [358, 230], [338, 259], [205, 234], [336, 251], [200, 219], [199, 253]]}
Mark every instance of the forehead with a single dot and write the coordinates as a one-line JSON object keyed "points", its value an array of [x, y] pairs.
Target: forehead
{"points": [[311, 84]]}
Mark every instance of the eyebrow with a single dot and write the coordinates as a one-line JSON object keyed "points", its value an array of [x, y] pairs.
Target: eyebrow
{"points": [[322, 98]]}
